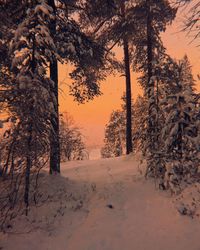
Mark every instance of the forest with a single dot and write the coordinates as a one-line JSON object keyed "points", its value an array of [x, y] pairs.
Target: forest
{"points": [[151, 144]]}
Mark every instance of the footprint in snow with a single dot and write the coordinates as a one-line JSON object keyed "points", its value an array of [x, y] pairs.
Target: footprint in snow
{"points": [[110, 206]]}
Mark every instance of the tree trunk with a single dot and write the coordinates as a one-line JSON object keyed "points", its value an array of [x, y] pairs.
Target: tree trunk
{"points": [[129, 145], [54, 140]]}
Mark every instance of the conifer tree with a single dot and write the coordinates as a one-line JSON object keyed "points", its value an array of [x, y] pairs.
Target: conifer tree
{"points": [[75, 47], [29, 100], [114, 135], [70, 45], [151, 18], [180, 135], [177, 114], [112, 26]]}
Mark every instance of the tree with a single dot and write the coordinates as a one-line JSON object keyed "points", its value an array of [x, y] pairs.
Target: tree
{"points": [[54, 137], [79, 49], [111, 25], [129, 145], [178, 105], [115, 132], [135, 25], [71, 140], [114, 135], [28, 98], [151, 19], [70, 45], [180, 135]]}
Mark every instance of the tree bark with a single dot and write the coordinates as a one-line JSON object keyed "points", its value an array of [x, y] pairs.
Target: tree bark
{"points": [[54, 140], [129, 144]]}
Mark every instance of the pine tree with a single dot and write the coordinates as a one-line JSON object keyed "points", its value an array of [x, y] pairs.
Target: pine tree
{"points": [[28, 98], [129, 145], [111, 26], [151, 19], [178, 112], [33, 48], [74, 46], [181, 134], [137, 25], [114, 135], [70, 45]]}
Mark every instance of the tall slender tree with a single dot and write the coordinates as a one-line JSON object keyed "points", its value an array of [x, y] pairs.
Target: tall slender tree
{"points": [[129, 144], [113, 25], [151, 18], [72, 46], [54, 138]]}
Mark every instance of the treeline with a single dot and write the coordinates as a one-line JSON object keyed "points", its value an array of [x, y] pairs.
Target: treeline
{"points": [[35, 36], [176, 154], [165, 121], [115, 131]]}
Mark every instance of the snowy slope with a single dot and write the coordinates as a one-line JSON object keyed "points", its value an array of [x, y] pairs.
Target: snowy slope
{"points": [[114, 209]]}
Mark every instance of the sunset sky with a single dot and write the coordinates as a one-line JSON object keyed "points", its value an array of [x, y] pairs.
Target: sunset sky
{"points": [[93, 116]]}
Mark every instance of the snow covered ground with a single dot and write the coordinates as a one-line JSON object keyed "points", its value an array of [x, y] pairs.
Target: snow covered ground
{"points": [[104, 205]]}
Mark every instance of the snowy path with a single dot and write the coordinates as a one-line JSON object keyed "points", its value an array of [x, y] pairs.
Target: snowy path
{"points": [[142, 218]]}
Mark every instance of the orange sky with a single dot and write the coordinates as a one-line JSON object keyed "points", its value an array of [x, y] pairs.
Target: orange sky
{"points": [[93, 116]]}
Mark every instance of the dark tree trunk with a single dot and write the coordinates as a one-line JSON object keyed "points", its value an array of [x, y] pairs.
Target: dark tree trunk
{"points": [[54, 140], [129, 145], [149, 49]]}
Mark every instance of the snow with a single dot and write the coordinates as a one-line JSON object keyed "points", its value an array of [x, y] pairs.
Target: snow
{"points": [[104, 204], [44, 8], [188, 202], [71, 48]]}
